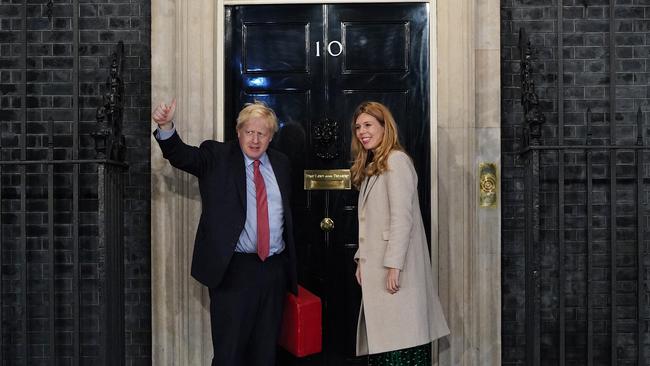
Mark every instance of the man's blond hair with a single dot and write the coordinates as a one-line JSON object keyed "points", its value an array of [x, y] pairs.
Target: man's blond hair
{"points": [[258, 109]]}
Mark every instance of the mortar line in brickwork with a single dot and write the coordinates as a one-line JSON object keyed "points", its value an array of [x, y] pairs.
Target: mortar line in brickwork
{"points": [[583, 147], [64, 162]]}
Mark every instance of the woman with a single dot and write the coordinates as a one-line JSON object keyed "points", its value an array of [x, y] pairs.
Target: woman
{"points": [[400, 312]]}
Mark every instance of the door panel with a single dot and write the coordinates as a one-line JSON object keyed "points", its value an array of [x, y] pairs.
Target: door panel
{"points": [[313, 64], [364, 41], [260, 51], [386, 59], [269, 58]]}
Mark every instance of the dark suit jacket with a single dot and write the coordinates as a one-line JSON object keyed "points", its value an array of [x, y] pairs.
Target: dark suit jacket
{"points": [[222, 184]]}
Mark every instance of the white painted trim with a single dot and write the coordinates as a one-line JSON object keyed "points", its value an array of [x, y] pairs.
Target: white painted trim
{"points": [[220, 71]]}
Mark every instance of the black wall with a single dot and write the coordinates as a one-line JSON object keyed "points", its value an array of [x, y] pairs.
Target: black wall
{"points": [[26, 105], [585, 82]]}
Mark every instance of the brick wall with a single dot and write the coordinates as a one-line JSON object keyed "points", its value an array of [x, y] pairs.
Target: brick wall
{"points": [[585, 83], [49, 82]]}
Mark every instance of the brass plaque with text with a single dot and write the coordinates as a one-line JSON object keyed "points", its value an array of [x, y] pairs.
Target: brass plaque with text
{"points": [[334, 179]]}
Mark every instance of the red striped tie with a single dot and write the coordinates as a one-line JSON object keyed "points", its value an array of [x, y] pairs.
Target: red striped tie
{"points": [[263, 234]]}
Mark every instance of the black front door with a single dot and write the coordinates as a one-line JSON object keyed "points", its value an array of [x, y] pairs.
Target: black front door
{"points": [[313, 64]]}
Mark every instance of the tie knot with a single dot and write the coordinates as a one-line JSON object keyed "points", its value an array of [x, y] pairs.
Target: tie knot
{"points": [[256, 163]]}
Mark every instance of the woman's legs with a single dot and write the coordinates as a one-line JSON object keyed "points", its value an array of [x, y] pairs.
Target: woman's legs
{"points": [[414, 356]]}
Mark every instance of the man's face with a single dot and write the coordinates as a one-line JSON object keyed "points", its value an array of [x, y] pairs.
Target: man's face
{"points": [[254, 137]]}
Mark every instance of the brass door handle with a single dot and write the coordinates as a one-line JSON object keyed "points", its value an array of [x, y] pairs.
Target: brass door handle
{"points": [[327, 224]]}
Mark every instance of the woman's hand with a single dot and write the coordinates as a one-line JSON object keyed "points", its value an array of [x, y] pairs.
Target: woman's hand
{"points": [[357, 274], [392, 280]]}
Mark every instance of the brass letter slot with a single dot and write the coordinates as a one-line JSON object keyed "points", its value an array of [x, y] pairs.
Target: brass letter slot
{"points": [[335, 179]]}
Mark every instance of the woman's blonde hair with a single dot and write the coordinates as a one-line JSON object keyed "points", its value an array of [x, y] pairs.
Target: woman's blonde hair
{"points": [[367, 163], [257, 109]]}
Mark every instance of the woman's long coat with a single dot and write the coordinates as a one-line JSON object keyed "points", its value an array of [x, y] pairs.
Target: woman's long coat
{"points": [[391, 235]]}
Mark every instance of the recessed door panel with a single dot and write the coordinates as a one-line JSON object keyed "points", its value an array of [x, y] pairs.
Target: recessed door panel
{"points": [[373, 47], [276, 47]]}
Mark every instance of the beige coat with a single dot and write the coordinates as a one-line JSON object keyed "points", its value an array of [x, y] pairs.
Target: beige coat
{"points": [[391, 234]]}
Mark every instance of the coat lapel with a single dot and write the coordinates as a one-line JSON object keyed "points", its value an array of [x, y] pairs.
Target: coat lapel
{"points": [[238, 171], [366, 187]]}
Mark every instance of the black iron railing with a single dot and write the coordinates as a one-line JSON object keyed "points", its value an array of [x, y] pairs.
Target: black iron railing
{"points": [[585, 246], [61, 241]]}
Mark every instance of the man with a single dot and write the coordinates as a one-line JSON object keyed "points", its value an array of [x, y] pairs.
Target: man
{"points": [[244, 250]]}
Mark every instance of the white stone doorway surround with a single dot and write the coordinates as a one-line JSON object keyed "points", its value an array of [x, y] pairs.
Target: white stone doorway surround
{"points": [[187, 45]]}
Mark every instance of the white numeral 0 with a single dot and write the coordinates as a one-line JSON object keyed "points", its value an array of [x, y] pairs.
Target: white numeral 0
{"points": [[329, 48]]}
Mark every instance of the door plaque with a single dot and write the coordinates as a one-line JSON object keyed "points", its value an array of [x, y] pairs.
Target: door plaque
{"points": [[334, 179]]}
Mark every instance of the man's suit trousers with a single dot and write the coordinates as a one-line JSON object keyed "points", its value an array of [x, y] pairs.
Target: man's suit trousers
{"points": [[246, 310]]}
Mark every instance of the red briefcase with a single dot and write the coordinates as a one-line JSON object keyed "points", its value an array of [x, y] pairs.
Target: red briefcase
{"points": [[301, 333]]}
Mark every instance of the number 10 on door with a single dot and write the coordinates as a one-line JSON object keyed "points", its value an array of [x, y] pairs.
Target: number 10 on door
{"points": [[334, 48]]}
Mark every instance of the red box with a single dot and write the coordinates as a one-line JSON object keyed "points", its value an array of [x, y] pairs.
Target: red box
{"points": [[301, 332]]}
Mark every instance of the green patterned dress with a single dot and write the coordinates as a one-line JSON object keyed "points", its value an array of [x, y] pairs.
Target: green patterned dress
{"points": [[414, 356]]}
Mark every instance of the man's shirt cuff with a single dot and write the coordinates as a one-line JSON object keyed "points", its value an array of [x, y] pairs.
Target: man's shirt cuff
{"points": [[164, 134]]}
